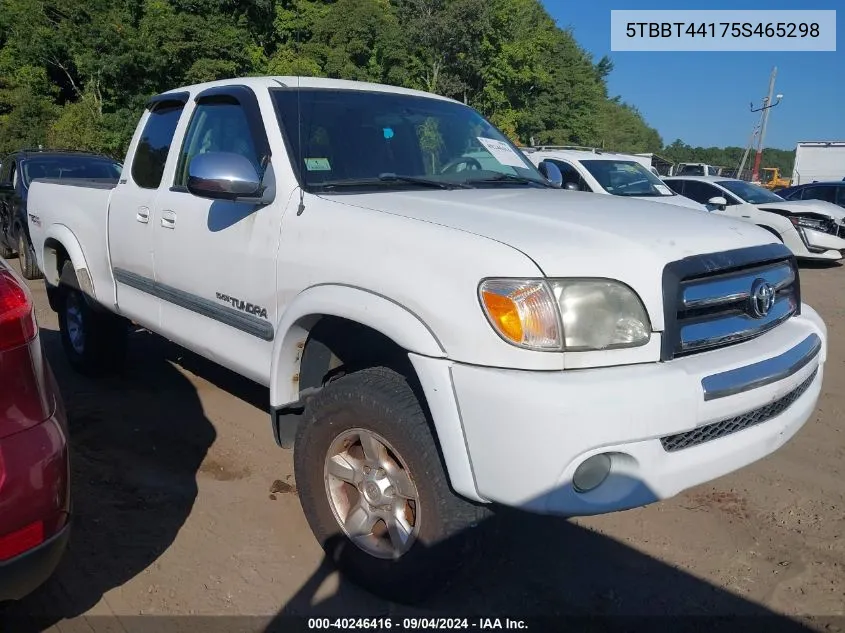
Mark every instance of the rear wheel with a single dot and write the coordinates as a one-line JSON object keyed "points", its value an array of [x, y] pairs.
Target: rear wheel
{"points": [[26, 258], [94, 340], [374, 491]]}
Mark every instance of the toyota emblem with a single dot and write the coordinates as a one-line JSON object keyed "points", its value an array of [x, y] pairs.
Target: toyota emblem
{"points": [[762, 298]]}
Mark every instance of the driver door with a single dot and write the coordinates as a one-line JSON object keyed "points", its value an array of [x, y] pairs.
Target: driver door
{"points": [[215, 260]]}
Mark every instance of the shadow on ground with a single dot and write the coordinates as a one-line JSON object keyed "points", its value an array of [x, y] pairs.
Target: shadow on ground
{"points": [[134, 485], [555, 575], [137, 441]]}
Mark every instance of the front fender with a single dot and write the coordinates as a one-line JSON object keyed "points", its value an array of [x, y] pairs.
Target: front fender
{"points": [[404, 328], [389, 318]]}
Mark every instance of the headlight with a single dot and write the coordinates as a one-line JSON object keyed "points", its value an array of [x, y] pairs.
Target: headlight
{"points": [[810, 223], [565, 314]]}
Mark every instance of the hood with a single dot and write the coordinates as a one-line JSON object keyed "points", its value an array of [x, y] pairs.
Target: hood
{"points": [[569, 232], [800, 207], [677, 200]]}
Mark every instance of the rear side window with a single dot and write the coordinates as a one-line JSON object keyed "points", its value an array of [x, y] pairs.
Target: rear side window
{"points": [[840, 195], [154, 146]]}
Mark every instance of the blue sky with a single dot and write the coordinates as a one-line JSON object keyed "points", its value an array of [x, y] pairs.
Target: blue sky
{"points": [[703, 98]]}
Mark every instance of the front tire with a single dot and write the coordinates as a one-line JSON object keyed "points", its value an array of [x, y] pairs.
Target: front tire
{"points": [[94, 341], [26, 258], [374, 491]]}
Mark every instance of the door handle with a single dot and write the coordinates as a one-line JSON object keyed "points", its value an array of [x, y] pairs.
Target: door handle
{"points": [[168, 219], [143, 215]]}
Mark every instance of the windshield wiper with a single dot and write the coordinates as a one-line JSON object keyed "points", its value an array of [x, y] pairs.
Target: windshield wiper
{"points": [[416, 180], [388, 179], [508, 178]]}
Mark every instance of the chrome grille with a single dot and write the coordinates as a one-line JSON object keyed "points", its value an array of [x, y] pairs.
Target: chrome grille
{"points": [[679, 441], [714, 308]]}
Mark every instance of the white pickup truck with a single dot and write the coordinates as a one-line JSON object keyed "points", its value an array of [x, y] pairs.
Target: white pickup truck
{"points": [[438, 335]]}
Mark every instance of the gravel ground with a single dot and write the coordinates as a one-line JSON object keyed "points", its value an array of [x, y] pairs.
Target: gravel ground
{"points": [[185, 506]]}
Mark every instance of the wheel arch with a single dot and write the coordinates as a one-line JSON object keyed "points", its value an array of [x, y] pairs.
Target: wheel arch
{"points": [[60, 246], [333, 329], [350, 305]]}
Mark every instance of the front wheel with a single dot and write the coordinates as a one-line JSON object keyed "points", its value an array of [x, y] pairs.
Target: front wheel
{"points": [[374, 491], [94, 341]]}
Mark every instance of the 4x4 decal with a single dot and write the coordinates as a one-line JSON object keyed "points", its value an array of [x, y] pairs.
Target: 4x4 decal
{"points": [[243, 306]]}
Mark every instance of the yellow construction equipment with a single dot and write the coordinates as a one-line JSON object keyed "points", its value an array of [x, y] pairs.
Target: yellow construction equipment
{"points": [[771, 179]]}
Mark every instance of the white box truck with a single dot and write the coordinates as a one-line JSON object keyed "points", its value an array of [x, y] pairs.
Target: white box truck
{"points": [[819, 161]]}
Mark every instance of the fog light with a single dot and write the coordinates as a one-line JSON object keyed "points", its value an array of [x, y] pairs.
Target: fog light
{"points": [[591, 473]]}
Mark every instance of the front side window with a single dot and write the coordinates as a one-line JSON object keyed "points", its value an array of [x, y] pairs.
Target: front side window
{"points": [[87, 167], [626, 178], [344, 139], [840, 195], [676, 185], [826, 193], [570, 175], [154, 146], [216, 127], [752, 194]]}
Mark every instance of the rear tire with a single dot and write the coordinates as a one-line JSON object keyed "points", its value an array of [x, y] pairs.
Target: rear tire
{"points": [[26, 258], [379, 404], [94, 340]]}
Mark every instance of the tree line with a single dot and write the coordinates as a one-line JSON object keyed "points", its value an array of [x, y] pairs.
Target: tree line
{"points": [[730, 157], [76, 73]]}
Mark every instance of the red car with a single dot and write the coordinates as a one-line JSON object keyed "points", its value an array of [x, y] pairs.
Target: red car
{"points": [[34, 471]]}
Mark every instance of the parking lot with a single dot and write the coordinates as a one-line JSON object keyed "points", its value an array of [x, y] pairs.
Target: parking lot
{"points": [[184, 505]]}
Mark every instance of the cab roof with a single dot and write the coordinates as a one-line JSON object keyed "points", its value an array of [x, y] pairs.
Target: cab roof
{"points": [[282, 81]]}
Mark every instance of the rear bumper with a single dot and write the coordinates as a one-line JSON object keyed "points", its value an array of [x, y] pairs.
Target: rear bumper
{"points": [[23, 574], [35, 488]]}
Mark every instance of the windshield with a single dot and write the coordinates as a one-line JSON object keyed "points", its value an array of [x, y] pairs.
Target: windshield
{"points": [[379, 140], [69, 167], [749, 193], [626, 178]]}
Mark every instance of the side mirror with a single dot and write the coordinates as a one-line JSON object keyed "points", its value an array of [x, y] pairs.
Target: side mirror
{"points": [[551, 173], [223, 176], [718, 201], [572, 186]]}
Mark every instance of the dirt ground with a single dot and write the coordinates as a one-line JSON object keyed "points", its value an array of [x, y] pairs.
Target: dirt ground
{"points": [[184, 505]]}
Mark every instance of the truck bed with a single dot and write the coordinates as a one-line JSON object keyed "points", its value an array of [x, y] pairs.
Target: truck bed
{"points": [[74, 212]]}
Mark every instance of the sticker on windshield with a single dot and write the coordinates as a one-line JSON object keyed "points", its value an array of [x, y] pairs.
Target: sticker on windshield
{"points": [[318, 164], [501, 152], [663, 189]]}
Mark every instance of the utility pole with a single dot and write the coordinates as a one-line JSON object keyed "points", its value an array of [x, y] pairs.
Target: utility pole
{"points": [[747, 151], [767, 105]]}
